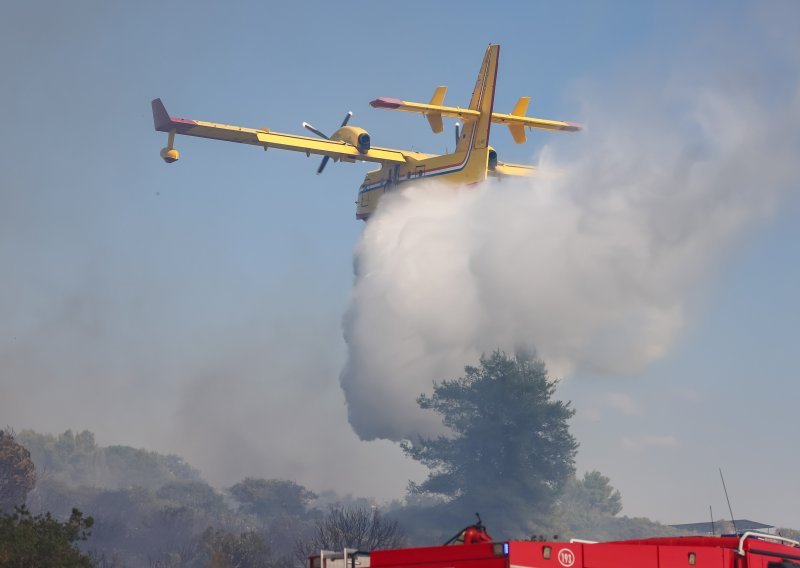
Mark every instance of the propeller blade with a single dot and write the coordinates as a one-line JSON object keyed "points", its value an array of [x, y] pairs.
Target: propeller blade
{"points": [[307, 126], [458, 132], [323, 164], [325, 159]]}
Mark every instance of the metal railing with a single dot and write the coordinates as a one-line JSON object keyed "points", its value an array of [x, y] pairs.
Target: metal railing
{"points": [[763, 536]]}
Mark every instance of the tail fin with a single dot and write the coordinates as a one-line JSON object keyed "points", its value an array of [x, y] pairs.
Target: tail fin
{"points": [[161, 119], [522, 106], [438, 96], [474, 140], [435, 118], [517, 130]]}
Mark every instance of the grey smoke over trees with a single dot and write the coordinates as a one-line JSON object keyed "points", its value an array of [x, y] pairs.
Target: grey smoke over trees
{"points": [[593, 492], [76, 459], [268, 497], [509, 453], [152, 320], [151, 509]]}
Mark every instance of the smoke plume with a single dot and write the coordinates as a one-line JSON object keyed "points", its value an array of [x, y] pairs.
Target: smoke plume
{"points": [[597, 262]]}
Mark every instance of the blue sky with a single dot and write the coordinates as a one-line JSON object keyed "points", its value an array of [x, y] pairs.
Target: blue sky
{"points": [[197, 307]]}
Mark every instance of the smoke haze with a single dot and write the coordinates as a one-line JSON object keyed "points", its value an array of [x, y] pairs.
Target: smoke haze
{"points": [[597, 262], [197, 308]]}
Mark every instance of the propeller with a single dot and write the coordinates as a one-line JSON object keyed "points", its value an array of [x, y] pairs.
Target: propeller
{"points": [[458, 133], [321, 134]]}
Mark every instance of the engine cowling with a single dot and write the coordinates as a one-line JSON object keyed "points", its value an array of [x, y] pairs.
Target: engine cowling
{"points": [[355, 136]]}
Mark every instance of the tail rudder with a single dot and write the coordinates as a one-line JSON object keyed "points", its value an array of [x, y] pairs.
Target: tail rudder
{"points": [[517, 130], [474, 139], [521, 107], [161, 118], [438, 96], [435, 118]]}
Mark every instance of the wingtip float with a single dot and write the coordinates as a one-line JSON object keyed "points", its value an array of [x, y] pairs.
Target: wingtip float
{"points": [[472, 161]]}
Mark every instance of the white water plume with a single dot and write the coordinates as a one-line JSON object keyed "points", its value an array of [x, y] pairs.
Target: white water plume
{"points": [[597, 262]]}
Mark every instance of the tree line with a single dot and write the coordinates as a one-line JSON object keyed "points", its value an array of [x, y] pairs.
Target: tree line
{"points": [[508, 454]]}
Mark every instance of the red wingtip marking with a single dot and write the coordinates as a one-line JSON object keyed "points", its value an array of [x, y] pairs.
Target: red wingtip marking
{"points": [[386, 102], [164, 122]]}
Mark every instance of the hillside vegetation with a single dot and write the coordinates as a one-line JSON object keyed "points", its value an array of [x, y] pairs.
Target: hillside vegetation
{"points": [[510, 456]]}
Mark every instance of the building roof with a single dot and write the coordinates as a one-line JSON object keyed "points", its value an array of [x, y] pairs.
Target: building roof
{"points": [[706, 528]]}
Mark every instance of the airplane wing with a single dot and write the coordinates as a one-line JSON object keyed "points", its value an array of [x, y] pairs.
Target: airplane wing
{"points": [[503, 169], [516, 120], [428, 109], [517, 124], [336, 149]]}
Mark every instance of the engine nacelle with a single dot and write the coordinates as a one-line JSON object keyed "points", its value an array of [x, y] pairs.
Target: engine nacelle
{"points": [[354, 136], [492, 159], [169, 155]]}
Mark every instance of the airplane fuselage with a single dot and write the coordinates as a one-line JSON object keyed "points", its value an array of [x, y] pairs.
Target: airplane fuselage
{"points": [[447, 168]]}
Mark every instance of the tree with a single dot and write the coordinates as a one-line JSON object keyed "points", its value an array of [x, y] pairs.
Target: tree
{"points": [[17, 473], [789, 533], [592, 493], [588, 509], [359, 527], [76, 459], [356, 527], [509, 449], [272, 497], [43, 541], [221, 549], [194, 494]]}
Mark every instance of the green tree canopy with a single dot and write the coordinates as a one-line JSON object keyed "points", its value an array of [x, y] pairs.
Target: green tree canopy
{"points": [[510, 449], [272, 497], [195, 494], [42, 541], [76, 459], [592, 493], [222, 549]]}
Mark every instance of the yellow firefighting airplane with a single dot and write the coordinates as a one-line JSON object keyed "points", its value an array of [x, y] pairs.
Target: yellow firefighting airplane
{"points": [[472, 161]]}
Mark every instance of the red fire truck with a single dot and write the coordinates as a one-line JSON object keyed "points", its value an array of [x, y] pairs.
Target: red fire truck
{"points": [[747, 550]]}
